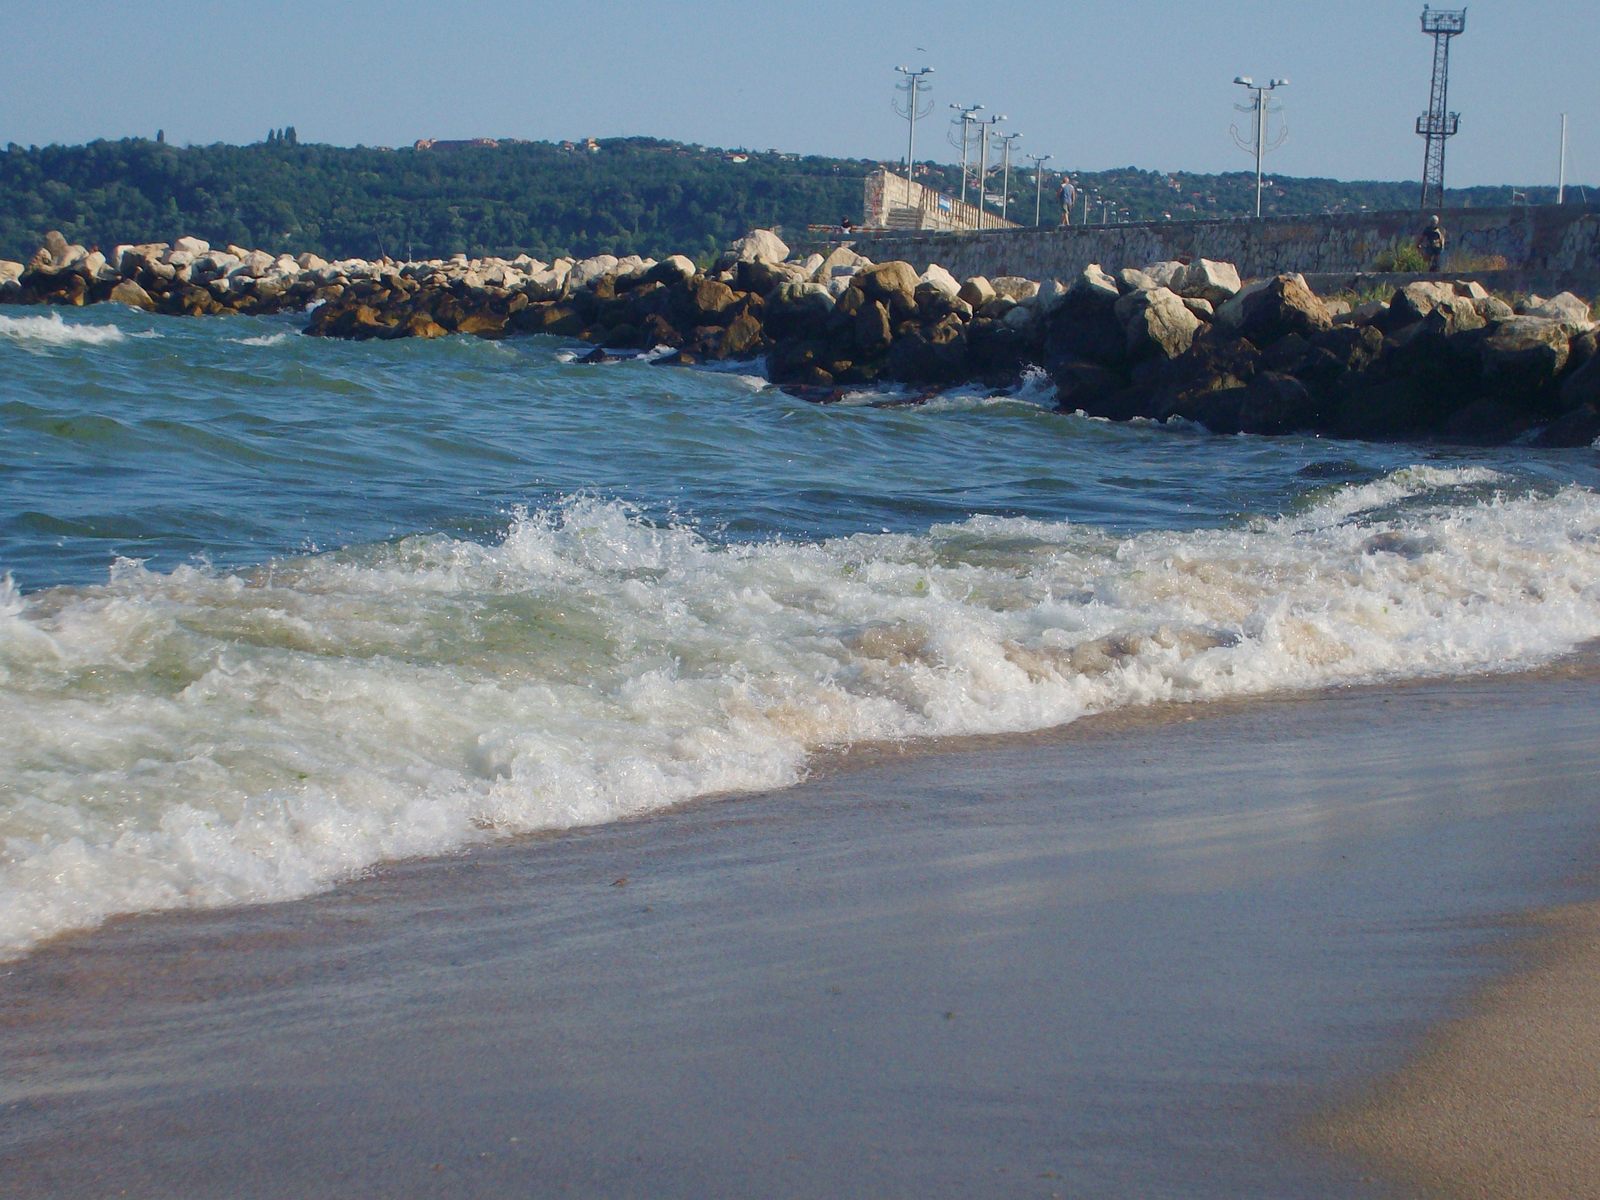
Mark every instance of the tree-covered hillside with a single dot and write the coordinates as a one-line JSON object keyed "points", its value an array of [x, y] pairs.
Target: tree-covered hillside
{"points": [[624, 195]]}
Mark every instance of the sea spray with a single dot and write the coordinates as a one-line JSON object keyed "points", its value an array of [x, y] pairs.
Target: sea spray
{"points": [[201, 737]]}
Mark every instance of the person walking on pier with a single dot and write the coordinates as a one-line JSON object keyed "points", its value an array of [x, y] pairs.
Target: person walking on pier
{"points": [[1069, 198], [1431, 242]]}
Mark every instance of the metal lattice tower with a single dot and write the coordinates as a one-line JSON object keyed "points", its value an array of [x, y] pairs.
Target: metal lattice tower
{"points": [[1438, 123]]}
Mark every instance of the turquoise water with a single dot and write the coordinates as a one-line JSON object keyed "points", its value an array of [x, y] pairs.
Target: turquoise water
{"points": [[278, 608]]}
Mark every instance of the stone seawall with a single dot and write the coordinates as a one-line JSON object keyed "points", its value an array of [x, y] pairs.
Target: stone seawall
{"points": [[1545, 247]]}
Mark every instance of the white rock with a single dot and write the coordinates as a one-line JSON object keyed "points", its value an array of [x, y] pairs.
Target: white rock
{"points": [[10, 270], [191, 246], [1050, 296], [1094, 281], [1199, 306], [840, 260], [1164, 273], [759, 245], [1566, 308], [1207, 279], [310, 262], [587, 271], [941, 279]]}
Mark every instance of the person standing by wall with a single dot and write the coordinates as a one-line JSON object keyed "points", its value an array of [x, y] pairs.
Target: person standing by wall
{"points": [[1431, 242]]}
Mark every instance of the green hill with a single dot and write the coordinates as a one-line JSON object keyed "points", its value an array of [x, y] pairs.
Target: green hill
{"points": [[628, 195]]}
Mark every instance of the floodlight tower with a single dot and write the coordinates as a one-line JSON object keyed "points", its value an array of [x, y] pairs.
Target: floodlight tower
{"points": [[915, 86], [1438, 123]]}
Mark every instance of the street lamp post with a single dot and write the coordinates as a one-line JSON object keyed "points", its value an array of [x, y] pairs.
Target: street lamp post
{"points": [[985, 124], [1039, 161], [966, 112], [1259, 103], [1005, 175], [914, 86]]}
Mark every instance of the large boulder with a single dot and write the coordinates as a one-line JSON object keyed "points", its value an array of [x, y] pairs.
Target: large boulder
{"points": [[1415, 301], [1524, 354], [1286, 305], [760, 245], [1165, 274], [710, 300], [937, 277], [1095, 284], [587, 271], [977, 291], [130, 293], [841, 260], [886, 281], [1566, 308], [1204, 279], [674, 269], [192, 246], [1156, 323]]}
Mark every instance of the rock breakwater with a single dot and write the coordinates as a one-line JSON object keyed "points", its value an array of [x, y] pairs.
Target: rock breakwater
{"points": [[1171, 340]]}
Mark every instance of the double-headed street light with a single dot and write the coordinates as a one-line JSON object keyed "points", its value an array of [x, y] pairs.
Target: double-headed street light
{"points": [[1038, 161], [914, 86], [1005, 175], [986, 124], [1259, 103], [965, 114]]}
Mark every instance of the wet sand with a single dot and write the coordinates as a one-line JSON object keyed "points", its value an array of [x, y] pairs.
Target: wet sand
{"points": [[1136, 958]]}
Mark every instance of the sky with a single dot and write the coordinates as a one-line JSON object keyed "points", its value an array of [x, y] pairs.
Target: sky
{"points": [[1092, 83]]}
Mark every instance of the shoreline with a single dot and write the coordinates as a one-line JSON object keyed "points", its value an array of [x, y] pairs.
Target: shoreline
{"points": [[927, 916], [1502, 1101]]}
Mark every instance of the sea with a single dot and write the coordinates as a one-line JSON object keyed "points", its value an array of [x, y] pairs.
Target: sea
{"points": [[277, 609]]}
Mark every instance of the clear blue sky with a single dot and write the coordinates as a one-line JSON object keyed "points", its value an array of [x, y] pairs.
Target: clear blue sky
{"points": [[1094, 83]]}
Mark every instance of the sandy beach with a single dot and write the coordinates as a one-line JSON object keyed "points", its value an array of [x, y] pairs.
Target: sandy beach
{"points": [[1139, 957]]}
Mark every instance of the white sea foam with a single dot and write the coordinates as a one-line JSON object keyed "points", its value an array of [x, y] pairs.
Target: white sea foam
{"points": [[264, 339], [200, 737], [51, 330]]}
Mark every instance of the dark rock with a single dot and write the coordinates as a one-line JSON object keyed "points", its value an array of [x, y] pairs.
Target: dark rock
{"points": [[1284, 306], [1581, 387], [873, 332], [1524, 355], [1580, 427], [1220, 411], [744, 337], [1083, 385], [935, 355], [1287, 354], [483, 324], [710, 299], [888, 282], [1386, 409], [1486, 422], [1275, 403]]}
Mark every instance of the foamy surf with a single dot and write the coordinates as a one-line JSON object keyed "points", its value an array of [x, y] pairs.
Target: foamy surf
{"points": [[51, 330], [201, 737]]}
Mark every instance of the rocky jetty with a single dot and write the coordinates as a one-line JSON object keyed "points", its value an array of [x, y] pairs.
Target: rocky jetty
{"points": [[1167, 340]]}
